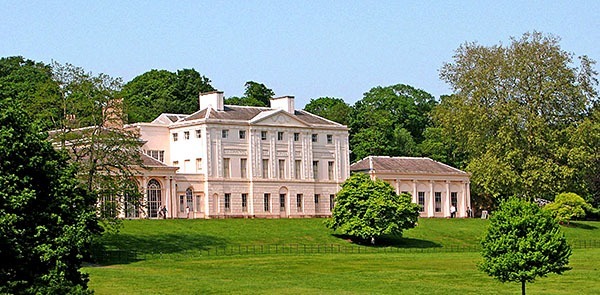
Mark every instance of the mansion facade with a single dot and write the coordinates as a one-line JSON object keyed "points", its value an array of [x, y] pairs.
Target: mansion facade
{"points": [[238, 161]]}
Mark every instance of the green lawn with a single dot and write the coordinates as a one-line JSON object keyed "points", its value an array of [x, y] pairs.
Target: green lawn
{"points": [[182, 271]]}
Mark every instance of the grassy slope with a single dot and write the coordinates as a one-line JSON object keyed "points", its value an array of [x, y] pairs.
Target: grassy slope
{"points": [[383, 273]]}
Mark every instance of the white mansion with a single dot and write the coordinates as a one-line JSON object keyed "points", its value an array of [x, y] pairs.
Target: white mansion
{"points": [[237, 161]]}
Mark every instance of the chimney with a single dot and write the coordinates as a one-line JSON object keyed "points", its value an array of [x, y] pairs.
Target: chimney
{"points": [[112, 113], [214, 99], [285, 103]]}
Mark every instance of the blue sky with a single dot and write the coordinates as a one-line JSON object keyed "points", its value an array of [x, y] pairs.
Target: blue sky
{"points": [[307, 49]]}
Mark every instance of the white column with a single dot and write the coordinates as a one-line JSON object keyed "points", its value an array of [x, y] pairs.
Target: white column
{"points": [[467, 193], [446, 201], [431, 199], [414, 193]]}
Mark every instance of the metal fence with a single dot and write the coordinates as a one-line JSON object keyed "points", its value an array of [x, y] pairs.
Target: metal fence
{"points": [[126, 256]]}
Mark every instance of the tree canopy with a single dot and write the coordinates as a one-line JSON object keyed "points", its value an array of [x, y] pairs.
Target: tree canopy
{"points": [[366, 208], [331, 108], [567, 206], [522, 243], [256, 94], [47, 220], [512, 114]]}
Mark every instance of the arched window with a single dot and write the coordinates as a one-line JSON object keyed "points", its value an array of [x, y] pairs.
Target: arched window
{"points": [[154, 198], [189, 199]]}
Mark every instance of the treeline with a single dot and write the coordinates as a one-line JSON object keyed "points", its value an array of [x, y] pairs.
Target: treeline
{"points": [[523, 118]]}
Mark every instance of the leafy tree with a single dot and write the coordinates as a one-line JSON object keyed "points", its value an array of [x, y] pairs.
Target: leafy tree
{"points": [[331, 108], [522, 243], [567, 206], [31, 84], [107, 156], [512, 115], [47, 220], [256, 94], [390, 121], [160, 91], [367, 209]]}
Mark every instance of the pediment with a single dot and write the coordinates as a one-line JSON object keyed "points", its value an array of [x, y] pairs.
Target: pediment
{"points": [[277, 118]]}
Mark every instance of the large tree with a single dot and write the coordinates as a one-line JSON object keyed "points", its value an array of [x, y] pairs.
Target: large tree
{"points": [[522, 243], [390, 121], [366, 208], [256, 94], [511, 114], [331, 108], [161, 91], [47, 220]]}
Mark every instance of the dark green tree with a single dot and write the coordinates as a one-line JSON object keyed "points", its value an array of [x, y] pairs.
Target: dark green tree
{"points": [[390, 121], [331, 108], [256, 94], [522, 243], [47, 220], [368, 209]]}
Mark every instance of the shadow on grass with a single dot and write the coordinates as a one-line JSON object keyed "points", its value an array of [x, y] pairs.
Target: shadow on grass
{"points": [[392, 241], [580, 225]]}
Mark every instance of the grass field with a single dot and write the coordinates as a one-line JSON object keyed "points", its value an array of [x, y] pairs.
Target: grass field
{"points": [[180, 270]]}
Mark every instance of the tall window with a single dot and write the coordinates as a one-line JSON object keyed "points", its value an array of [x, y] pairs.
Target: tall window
{"points": [[299, 202], [317, 202], [454, 199], [281, 168], [189, 199], [282, 202], [186, 135], [198, 203], [198, 164], [265, 168], [242, 134], [243, 167], [175, 136], [181, 203], [329, 139], [263, 135], [331, 202], [438, 201], [198, 133], [296, 136], [267, 202], [297, 166], [421, 197], [244, 202], [108, 206], [227, 202], [224, 133], [315, 137], [330, 170], [316, 169], [226, 168], [279, 135], [154, 198], [132, 207]]}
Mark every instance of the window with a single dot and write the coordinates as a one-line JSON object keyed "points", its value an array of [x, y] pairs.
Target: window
{"points": [[226, 168], [227, 202], [243, 166], [297, 167], [316, 169], [279, 135], [282, 202], [187, 165], [155, 154], [331, 202], [176, 163], [299, 202], [296, 136], [181, 204], [438, 201], [329, 139], [189, 199], [224, 133], [174, 136], [317, 202], [154, 197], [198, 133], [330, 170], [265, 168], [198, 203], [186, 135], [198, 164], [242, 134], [267, 202], [281, 169], [132, 207], [244, 202], [315, 137], [421, 196], [263, 135], [454, 199]]}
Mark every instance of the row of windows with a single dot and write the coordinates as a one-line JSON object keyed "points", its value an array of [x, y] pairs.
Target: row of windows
{"points": [[267, 202], [437, 200], [186, 135], [280, 171], [242, 135]]}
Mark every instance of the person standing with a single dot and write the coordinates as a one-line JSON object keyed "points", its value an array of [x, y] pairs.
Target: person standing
{"points": [[452, 211]]}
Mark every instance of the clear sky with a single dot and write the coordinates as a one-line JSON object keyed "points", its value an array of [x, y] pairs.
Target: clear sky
{"points": [[307, 49]]}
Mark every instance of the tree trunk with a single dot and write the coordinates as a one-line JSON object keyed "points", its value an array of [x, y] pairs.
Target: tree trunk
{"points": [[522, 287]]}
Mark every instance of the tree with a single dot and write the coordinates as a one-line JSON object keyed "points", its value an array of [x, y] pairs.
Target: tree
{"points": [[160, 91], [522, 243], [331, 108], [390, 121], [107, 156], [515, 106], [567, 206], [47, 220], [256, 94], [368, 208]]}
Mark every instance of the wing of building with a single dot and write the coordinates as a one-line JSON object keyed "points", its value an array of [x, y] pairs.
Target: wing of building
{"points": [[237, 161], [435, 186]]}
